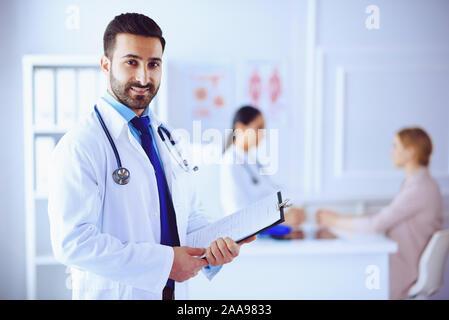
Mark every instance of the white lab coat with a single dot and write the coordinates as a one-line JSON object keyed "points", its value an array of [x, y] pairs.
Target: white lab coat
{"points": [[237, 189], [109, 234]]}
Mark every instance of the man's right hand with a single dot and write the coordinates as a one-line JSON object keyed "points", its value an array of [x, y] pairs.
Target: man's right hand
{"points": [[186, 263]]}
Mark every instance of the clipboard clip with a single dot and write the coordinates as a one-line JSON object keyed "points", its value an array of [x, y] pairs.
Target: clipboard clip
{"points": [[284, 204]]}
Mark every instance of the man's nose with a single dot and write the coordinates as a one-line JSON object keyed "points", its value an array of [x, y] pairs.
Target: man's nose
{"points": [[143, 76]]}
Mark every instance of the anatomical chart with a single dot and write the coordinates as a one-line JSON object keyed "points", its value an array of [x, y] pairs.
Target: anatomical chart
{"points": [[263, 84], [211, 95]]}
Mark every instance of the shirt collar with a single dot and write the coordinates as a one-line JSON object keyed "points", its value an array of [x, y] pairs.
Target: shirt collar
{"points": [[115, 120]]}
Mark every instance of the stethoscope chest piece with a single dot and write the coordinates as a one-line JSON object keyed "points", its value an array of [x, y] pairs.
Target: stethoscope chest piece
{"points": [[121, 176]]}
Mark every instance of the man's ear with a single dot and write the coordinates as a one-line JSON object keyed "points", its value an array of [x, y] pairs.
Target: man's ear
{"points": [[105, 64]]}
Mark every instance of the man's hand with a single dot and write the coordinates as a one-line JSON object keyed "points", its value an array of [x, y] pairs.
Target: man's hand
{"points": [[186, 263], [223, 251]]}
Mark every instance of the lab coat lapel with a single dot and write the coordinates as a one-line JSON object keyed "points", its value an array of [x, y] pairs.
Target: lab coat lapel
{"points": [[137, 146]]}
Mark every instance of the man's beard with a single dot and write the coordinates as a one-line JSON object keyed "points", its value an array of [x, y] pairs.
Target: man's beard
{"points": [[123, 94]]}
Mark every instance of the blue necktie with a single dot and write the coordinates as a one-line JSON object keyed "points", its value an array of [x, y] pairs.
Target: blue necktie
{"points": [[169, 230]]}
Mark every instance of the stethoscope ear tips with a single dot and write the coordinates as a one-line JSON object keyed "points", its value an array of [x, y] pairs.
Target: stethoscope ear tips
{"points": [[121, 176]]}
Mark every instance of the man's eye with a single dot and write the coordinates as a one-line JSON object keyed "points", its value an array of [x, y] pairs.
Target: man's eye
{"points": [[154, 64], [132, 62]]}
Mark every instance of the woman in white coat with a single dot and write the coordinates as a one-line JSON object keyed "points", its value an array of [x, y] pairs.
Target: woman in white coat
{"points": [[242, 178]]}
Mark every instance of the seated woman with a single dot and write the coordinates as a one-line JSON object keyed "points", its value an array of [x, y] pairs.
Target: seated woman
{"points": [[241, 181], [410, 219]]}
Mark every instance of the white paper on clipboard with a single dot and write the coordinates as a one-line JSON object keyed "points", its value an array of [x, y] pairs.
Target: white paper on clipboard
{"points": [[242, 224]]}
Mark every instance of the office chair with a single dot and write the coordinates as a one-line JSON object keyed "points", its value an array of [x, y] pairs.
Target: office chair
{"points": [[432, 265]]}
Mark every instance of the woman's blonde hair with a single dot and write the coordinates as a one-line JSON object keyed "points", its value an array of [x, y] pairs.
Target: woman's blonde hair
{"points": [[419, 140]]}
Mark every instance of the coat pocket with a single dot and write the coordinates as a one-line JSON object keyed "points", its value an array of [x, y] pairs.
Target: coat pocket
{"points": [[88, 281]]}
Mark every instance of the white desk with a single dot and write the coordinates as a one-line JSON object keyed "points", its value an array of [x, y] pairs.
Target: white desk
{"points": [[303, 269]]}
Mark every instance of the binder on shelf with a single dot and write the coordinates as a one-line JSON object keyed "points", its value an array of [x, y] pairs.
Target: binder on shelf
{"points": [[44, 96], [43, 149], [66, 97], [42, 227], [87, 90]]}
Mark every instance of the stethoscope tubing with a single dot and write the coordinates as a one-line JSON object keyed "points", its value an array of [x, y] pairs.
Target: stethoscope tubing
{"points": [[161, 131], [253, 176], [108, 135]]}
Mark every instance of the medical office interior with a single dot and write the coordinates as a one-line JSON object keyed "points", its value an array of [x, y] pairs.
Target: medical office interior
{"points": [[336, 80]]}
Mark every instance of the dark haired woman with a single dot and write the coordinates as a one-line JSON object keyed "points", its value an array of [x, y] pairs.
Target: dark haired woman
{"points": [[242, 177]]}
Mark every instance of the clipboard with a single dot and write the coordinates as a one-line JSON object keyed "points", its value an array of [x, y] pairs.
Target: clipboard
{"points": [[281, 205], [242, 224]]}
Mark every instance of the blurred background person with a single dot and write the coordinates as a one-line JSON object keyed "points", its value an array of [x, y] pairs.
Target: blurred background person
{"points": [[241, 178], [410, 219]]}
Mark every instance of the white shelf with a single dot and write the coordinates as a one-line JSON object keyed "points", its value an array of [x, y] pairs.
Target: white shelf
{"points": [[38, 247], [40, 196], [48, 260], [51, 130]]}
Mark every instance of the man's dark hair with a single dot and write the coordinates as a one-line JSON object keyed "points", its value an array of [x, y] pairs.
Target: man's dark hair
{"points": [[134, 23]]}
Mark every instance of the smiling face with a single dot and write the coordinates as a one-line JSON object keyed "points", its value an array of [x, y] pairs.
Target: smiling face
{"points": [[134, 70]]}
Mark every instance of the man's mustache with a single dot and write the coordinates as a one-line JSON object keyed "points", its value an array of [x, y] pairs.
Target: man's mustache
{"points": [[136, 85]]}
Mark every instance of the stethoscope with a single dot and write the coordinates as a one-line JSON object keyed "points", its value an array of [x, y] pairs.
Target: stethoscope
{"points": [[121, 175], [254, 179]]}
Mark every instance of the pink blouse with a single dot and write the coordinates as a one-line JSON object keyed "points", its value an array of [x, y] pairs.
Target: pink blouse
{"points": [[409, 220]]}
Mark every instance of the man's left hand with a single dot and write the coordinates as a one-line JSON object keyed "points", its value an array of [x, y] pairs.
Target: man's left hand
{"points": [[223, 251]]}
